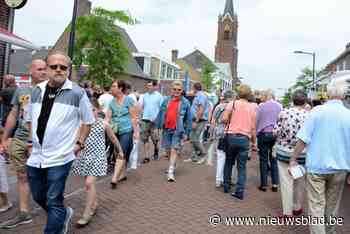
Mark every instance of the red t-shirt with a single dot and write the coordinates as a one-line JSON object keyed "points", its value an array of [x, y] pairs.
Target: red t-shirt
{"points": [[171, 115]]}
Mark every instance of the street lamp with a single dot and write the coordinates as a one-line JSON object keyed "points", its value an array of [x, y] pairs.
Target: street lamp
{"points": [[313, 54], [72, 35]]}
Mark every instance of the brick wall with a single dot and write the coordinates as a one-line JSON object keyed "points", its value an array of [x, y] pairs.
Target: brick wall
{"points": [[226, 50], [4, 20]]}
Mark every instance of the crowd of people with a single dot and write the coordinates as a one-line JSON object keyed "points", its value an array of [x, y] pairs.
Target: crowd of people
{"points": [[56, 126]]}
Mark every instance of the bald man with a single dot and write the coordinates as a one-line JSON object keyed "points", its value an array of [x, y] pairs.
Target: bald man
{"points": [[17, 147], [59, 108]]}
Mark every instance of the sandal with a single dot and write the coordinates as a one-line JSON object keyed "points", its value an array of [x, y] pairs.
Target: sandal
{"points": [[146, 160], [113, 185], [93, 212], [83, 221], [123, 179]]}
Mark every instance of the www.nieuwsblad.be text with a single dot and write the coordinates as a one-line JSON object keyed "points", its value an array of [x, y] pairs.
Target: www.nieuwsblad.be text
{"points": [[217, 219]]}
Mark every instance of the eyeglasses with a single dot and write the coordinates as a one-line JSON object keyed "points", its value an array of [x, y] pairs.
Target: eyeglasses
{"points": [[55, 66], [178, 90]]}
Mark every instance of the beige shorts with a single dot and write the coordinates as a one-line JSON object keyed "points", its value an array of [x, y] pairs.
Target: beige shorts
{"points": [[18, 154]]}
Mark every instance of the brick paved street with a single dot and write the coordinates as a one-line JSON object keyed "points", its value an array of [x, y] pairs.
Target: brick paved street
{"points": [[147, 203]]}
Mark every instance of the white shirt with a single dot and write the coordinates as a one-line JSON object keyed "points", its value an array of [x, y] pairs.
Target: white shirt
{"points": [[104, 100], [71, 106]]}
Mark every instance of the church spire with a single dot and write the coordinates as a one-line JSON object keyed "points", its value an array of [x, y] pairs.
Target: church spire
{"points": [[229, 8]]}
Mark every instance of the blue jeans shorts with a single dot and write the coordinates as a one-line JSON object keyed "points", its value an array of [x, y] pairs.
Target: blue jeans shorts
{"points": [[171, 140]]}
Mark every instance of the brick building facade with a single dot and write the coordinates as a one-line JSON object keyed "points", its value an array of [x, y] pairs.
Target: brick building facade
{"points": [[5, 15], [226, 47]]}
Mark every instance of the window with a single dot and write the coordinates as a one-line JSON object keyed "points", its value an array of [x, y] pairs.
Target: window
{"points": [[169, 72], [163, 71], [227, 35], [344, 65]]}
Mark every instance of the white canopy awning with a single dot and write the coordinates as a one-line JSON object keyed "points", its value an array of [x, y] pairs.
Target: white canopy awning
{"points": [[11, 38]]}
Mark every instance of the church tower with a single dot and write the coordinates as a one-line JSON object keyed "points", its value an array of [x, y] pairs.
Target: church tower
{"points": [[226, 46]]}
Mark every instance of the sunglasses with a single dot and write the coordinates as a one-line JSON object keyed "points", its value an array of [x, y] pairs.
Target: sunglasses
{"points": [[179, 90], [55, 66]]}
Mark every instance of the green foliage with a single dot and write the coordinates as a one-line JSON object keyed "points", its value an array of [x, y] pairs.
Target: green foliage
{"points": [[287, 98], [100, 45], [304, 79], [207, 74]]}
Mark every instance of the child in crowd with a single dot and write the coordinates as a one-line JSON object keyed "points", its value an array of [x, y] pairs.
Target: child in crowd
{"points": [[92, 162], [5, 204]]}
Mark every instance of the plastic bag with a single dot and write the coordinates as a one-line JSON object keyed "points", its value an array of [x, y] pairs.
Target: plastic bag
{"points": [[134, 156]]}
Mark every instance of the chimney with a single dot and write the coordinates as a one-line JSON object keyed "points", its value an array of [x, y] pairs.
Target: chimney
{"points": [[174, 55], [84, 7]]}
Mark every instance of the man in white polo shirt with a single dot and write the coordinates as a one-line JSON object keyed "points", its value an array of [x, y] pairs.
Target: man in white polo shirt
{"points": [[58, 108]]}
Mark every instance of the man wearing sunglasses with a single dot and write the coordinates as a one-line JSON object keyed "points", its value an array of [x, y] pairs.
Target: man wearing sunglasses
{"points": [[176, 122], [58, 108], [17, 147]]}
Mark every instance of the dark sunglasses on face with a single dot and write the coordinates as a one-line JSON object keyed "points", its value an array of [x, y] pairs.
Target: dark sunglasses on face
{"points": [[179, 90], [55, 66]]}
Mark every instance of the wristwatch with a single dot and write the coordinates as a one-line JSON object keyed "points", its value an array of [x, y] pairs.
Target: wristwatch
{"points": [[80, 144]]}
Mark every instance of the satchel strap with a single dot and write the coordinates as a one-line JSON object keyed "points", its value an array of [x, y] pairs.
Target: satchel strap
{"points": [[230, 117]]}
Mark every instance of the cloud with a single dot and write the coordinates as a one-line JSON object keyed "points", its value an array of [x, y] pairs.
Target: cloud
{"points": [[269, 31]]}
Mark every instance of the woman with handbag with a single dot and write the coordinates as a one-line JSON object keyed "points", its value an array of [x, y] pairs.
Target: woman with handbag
{"points": [[218, 135], [122, 114], [241, 118]]}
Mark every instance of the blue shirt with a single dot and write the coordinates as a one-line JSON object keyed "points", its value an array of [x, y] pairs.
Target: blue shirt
{"points": [[200, 99], [151, 105], [121, 115], [326, 132]]}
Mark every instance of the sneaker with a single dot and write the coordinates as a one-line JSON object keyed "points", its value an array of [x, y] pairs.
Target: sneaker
{"points": [[218, 184], [6, 208], [21, 218], [156, 157], [188, 160], [202, 160], [171, 178], [69, 215]]}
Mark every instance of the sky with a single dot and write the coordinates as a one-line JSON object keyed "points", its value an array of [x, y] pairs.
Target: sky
{"points": [[269, 31]]}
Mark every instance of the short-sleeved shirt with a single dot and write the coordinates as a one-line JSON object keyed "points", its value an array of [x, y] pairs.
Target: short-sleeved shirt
{"points": [[21, 99], [201, 99], [243, 118], [326, 132], [267, 116], [70, 108], [151, 103], [104, 100], [6, 95], [121, 114]]}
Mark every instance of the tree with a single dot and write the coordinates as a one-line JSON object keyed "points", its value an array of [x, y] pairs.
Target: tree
{"points": [[304, 79], [207, 74], [100, 45]]}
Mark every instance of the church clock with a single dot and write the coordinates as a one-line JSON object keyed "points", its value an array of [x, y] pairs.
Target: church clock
{"points": [[16, 4]]}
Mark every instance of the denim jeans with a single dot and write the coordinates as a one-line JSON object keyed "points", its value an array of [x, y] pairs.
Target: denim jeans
{"points": [[126, 142], [237, 149], [266, 142], [47, 186]]}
